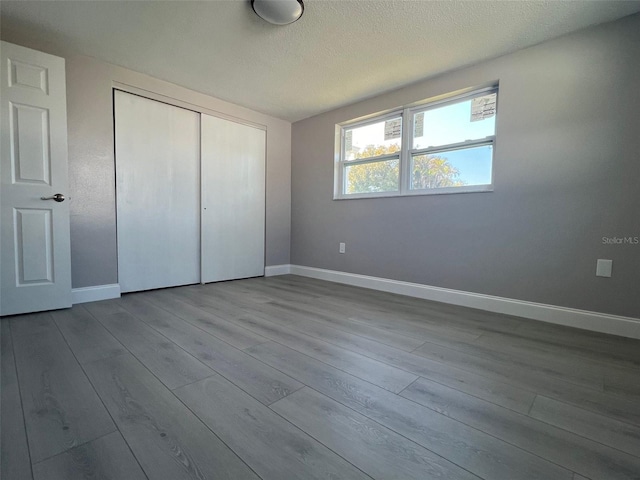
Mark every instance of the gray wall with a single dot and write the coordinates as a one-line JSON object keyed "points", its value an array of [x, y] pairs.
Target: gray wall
{"points": [[567, 170], [91, 159]]}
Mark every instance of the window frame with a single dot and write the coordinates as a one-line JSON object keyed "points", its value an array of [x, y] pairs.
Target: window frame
{"points": [[361, 161], [407, 152]]}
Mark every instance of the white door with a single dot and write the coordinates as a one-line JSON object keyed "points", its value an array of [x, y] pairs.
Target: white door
{"points": [[35, 253], [158, 193], [233, 200]]}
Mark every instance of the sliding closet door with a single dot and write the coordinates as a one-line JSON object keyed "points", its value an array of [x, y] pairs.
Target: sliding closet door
{"points": [[233, 200], [158, 193]]}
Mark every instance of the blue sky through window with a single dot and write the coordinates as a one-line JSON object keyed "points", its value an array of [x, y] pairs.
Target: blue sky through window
{"points": [[452, 124], [474, 164]]}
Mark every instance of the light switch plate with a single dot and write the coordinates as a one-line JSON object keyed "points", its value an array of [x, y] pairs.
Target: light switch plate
{"points": [[604, 268], [343, 247]]}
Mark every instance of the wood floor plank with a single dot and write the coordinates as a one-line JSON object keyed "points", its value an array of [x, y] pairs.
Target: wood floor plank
{"points": [[371, 370], [271, 446], [497, 392], [519, 342], [421, 326], [519, 364], [261, 381], [61, 408], [195, 296], [378, 373], [237, 336], [415, 309], [599, 428], [14, 454], [106, 458], [172, 365], [568, 368], [471, 449], [340, 315], [88, 339], [104, 307], [256, 290], [619, 408], [590, 399], [584, 341], [602, 403], [294, 310], [571, 369], [167, 439], [424, 326], [559, 446], [413, 305], [623, 381], [376, 450], [489, 389]]}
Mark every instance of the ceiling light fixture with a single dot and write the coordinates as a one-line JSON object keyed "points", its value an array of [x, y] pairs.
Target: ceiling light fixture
{"points": [[278, 12]]}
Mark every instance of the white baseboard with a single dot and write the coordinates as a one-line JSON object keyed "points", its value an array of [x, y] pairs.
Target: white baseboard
{"points": [[93, 294], [598, 322], [274, 270]]}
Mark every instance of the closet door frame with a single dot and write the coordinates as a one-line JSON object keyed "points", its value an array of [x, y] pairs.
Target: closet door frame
{"points": [[176, 102]]}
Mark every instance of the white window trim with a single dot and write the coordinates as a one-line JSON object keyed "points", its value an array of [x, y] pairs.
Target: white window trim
{"points": [[407, 152]]}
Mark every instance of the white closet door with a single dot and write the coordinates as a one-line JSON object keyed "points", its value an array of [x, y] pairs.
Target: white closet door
{"points": [[233, 200], [158, 193]]}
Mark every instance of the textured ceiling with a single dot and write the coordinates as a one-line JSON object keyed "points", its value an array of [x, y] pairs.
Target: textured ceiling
{"points": [[337, 53]]}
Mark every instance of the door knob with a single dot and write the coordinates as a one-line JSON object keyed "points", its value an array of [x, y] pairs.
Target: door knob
{"points": [[58, 197]]}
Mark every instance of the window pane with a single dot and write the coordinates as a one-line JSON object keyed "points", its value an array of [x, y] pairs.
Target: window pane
{"points": [[468, 120], [379, 138], [372, 177], [456, 168]]}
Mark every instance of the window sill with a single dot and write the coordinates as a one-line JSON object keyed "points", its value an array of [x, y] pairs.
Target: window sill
{"points": [[418, 193]]}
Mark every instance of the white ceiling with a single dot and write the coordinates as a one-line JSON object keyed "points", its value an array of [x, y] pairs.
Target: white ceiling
{"points": [[337, 53]]}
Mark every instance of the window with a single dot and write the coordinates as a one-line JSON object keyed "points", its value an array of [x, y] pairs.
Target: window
{"points": [[446, 147], [372, 156]]}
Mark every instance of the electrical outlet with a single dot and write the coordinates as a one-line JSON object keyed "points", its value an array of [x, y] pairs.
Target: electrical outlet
{"points": [[343, 247], [604, 268]]}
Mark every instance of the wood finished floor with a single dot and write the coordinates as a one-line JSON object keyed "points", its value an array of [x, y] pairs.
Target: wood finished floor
{"points": [[292, 378]]}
